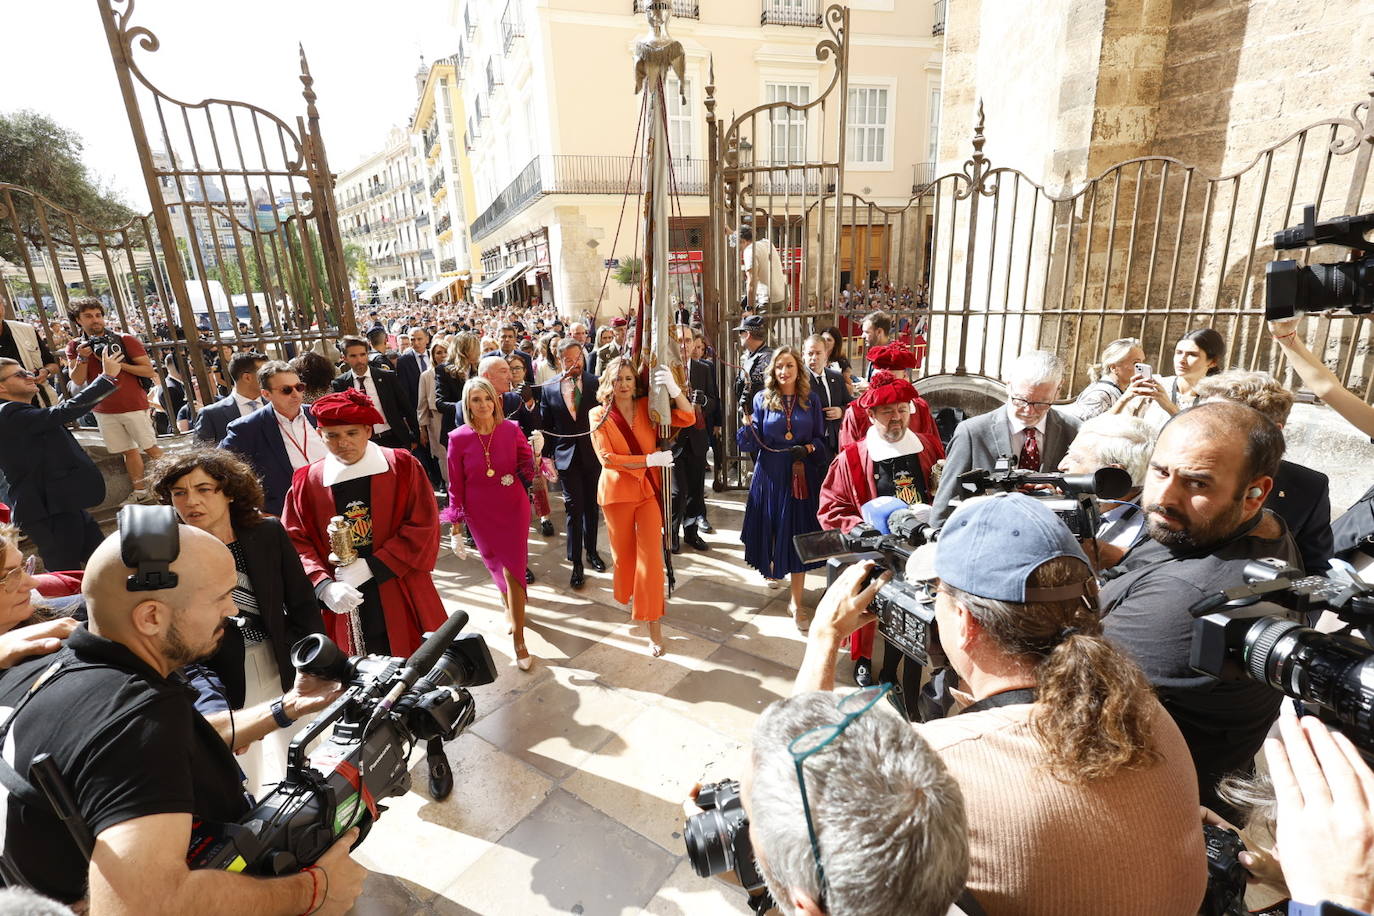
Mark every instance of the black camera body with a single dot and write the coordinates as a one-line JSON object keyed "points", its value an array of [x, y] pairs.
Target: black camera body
{"points": [[1225, 875], [1258, 631], [718, 838], [106, 344], [1291, 288], [1077, 507], [389, 705]]}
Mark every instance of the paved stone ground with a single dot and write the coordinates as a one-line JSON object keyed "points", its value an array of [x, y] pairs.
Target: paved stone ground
{"points": [[569, 785]]}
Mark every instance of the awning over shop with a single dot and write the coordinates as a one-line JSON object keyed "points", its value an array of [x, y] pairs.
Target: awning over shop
{"points": [[502, 280], [441, 285], [425, 287], [388, 286]]}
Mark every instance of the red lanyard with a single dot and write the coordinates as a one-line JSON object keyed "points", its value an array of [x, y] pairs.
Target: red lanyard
{"points": [[305, 441]]}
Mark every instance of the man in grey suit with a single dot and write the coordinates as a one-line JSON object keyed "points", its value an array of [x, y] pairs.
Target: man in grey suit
{"points": [[1026, 430]]}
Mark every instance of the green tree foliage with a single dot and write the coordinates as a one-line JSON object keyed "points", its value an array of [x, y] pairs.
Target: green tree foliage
{"points": [[629, 272]]}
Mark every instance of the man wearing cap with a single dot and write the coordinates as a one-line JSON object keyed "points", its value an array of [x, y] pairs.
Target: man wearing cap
{"points": [[1028, 430], [891, 460], [1212, 468], [755, 355], [385, 498], [1061, 750], [897, 360], [603, 354]]}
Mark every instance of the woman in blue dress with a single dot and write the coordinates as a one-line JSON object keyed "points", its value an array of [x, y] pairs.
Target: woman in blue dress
{"points": [[785, 434]]}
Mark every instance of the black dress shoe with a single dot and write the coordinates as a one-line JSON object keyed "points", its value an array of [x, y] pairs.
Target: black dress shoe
{"points": [[694, 539], [705, 527], [440, 776], [529, 576], [546, 528], [577, 579], [595, 562], [863, 672], [677, 543]]}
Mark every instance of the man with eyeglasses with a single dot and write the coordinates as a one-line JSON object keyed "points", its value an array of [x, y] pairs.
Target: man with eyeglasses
{"points": [[53, 482], [279, 438], [1028, 430]]}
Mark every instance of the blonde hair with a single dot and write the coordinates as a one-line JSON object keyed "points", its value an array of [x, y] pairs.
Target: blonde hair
{"points": [[1259, 390], [477, 383], [1114, 352], [605, 392], [772, 397]]}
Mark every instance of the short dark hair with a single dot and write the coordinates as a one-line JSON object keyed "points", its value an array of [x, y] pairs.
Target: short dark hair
{"points": [[353, 340], [84, 304], [376, 337], [1262, 438], [270, 368], [746, 233], [315, 370], [244, 364], [509, 327], [236, 480], [880, 320]]}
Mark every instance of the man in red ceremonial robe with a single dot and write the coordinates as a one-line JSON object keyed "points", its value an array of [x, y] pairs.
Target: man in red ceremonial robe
{"points": [[385, 496], [897, 359], [890, 460]]}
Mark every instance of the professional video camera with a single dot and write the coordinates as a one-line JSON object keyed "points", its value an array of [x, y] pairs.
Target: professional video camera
{"points": [[718, 840], [388, 706], [906, 611], [1237, 633], [1077, 507], [1291, 288]]}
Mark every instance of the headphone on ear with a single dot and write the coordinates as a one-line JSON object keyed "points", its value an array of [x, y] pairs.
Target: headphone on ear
{"points": [[1254, 492], [149, 542]]}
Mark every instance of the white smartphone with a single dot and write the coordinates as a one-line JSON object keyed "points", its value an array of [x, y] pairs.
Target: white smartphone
{"points": [[1144, 370]]}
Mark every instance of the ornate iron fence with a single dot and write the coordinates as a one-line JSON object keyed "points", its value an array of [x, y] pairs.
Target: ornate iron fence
{"points": [[984, 263]]}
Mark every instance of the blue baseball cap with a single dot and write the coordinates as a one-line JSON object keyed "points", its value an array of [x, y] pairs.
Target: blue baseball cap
{"points": [[991, 546]]}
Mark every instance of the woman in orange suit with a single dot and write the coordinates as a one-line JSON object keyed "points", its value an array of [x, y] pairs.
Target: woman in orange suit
{"points": [[629, 491]]}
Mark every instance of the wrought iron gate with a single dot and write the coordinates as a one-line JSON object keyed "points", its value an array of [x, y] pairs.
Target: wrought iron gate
{"points": [[984, 263]]}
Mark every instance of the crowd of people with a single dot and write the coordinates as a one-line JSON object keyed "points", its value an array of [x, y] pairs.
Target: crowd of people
{"points": [[1074, 742]]}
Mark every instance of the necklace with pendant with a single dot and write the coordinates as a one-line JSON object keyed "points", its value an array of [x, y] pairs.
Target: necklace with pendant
{"points": [[486, 450], [787, 403]]}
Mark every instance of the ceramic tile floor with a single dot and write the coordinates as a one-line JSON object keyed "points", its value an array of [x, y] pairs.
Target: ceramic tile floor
{"points": [[568, 787]]}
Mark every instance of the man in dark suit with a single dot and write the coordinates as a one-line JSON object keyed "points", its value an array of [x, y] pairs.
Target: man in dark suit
{"points": [[689, 448], [829, 387], [212, 423], [563, 409], [401, 429], [52, 480], [507, 348], [279, 438], [1026, 430], [412, 363], [1301, 496]]}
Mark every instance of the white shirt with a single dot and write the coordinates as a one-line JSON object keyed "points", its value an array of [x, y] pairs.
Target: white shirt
{"points": [[1018, 431], [370, 387], [303, 444], [247, 405], [1120, 525], [879, 449], [371, 464]]}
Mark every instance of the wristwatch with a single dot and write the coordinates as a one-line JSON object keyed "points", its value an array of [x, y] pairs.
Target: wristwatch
{"points": [[279, 714]]}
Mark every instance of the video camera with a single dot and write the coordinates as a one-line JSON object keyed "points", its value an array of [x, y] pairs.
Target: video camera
{"points": [[1291, 288], [1237, 634], [1077, 507], [389, 705], [906, 611]]}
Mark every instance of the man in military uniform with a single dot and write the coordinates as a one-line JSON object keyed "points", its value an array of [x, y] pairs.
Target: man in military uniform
{"points": [[755, 354]]}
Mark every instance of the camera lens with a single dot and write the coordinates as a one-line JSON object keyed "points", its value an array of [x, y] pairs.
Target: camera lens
{"points": [[708, 840], [316, 654], [1331, 671]]}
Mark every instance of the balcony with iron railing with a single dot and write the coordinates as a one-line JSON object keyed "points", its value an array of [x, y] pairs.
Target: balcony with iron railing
{"points": [[583, 175], [938, 27], [792, 12], [448, 264], [512, 25], [377, 190], [493, 75], [682, 9], [436, 184], [426, 254], [417, 186], [422, 219], [443, 225], [922, 174]]}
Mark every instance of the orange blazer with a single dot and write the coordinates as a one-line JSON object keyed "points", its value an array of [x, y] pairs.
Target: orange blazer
{"points": [[618, 483]]}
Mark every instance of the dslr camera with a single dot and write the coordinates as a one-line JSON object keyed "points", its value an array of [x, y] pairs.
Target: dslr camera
{"points": [[1075, 503], [107, 344], [389, 705], [1260, 630], [1291, 288], [718, 840]]}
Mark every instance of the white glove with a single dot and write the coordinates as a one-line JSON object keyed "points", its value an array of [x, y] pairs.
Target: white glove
{"points": [[355, 573], [341, 598], [663, 459], [664, 376]]}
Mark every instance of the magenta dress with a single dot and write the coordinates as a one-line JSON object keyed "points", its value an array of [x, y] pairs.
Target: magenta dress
{"points": [[495, 507]]}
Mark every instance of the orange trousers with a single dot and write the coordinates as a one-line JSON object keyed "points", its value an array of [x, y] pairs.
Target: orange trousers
{"points": [[636, 531]]}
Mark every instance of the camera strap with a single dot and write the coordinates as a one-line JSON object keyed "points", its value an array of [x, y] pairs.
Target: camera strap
{"points": [[1014, 697]]}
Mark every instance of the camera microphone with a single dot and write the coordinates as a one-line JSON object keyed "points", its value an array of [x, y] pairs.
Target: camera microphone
{"points": [[424, 658], [877, 513], [912, 524]]}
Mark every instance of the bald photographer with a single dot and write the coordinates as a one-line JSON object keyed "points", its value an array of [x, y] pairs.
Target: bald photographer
{"points": [[117, 721]]}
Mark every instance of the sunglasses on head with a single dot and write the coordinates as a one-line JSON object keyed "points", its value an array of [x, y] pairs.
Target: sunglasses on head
{"points": [[299, 388]]}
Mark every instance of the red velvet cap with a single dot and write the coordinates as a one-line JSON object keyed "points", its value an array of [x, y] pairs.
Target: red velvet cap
{"points": [[886, 388], [346, 408], [892, 356]]}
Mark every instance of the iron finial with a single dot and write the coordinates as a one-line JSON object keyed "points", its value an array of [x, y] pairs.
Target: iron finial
{"points": [[978, 138]]}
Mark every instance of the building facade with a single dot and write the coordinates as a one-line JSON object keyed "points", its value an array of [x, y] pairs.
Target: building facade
{"points": [[551, 118], [436, 149], [381, 202]]}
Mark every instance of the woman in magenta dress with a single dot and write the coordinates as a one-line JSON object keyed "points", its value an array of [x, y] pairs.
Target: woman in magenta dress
{"points": [[490, 465]]}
